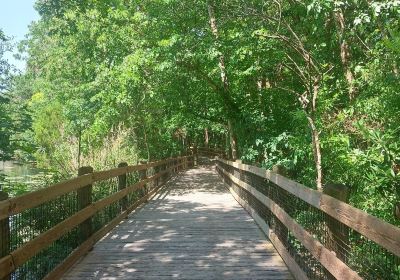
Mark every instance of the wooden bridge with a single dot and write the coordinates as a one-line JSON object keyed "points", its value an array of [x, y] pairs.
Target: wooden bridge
{"points": [[192, 229], [178, 219]]}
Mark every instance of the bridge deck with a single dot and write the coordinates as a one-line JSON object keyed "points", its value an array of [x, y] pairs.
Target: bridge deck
{"points": [[193, 229]]}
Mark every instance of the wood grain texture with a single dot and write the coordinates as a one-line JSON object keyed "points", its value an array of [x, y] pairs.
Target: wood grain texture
{"points": [[18, 204], [192, 229], [296, 270], [59, 271], [6, 266], [377, 230], [32, 247], [326, 257]]}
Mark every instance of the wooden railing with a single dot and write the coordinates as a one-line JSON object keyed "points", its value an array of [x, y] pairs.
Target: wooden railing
{"points": [[44, 232], [210, 152], [318, 236]]}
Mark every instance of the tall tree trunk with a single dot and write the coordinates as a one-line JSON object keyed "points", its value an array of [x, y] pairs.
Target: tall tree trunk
{"points": [[146, 143], [79, 148], [233, 141], [262, 84], [228, 147], [224, 78], [214, 29], [345, 52], [310, 109], [206, 137], [310, 76], [316, 144], [395, 69], [184, 149]]}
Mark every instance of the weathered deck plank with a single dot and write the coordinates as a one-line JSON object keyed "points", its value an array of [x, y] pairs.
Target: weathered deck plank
{"points": [[193, 229]]}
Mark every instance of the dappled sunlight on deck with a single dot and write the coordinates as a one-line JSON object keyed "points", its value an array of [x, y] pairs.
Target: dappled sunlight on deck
{"points": [[192, 229]]}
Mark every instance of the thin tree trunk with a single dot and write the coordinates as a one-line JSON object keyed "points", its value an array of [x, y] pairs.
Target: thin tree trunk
{"points": [[233, 140], [214, 29], [146, 143], [228, 147], [310, 77], [206, 137], [224, 78], [183, 145], [79, 148], [345, 53], [262, 84], [316, 150], [395, 69]]}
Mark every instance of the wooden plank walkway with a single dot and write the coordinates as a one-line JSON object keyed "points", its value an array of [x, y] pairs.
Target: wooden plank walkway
{"points": [[192, 229]]}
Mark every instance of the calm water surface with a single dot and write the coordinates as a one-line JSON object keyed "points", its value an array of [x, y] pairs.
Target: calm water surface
{"points": [[14, 172]]}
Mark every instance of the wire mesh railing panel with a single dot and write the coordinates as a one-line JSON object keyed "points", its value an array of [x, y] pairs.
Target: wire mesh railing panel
{"points": [[105, 188], [151, 185], [310, 265], [166, 175], [131, 179], [367, 258], [46, 260], [101, 190], [30, 223], [69, 220]]}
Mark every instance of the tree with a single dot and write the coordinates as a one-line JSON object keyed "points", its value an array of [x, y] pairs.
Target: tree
{"points": [[5, 81], [309, 85]]}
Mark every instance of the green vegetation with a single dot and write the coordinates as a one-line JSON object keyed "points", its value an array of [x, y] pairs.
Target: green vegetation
{"points": [[310, 85]]}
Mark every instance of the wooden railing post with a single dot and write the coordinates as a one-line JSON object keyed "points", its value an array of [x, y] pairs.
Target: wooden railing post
{"points": [[84, 197], [4, 234], [162, 178], [142, 176], [195, 156], [152, 185], [122, 185], [185, 166], [156, 171], [284, 232], [338, 233], [170, 169], [168, 174]]}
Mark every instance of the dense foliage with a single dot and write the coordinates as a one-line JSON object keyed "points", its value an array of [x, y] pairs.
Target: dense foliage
{"points": [[4, 100], [309, 85]]}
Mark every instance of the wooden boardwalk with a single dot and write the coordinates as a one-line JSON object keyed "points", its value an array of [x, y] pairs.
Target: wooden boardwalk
{"points": [[192, 229]]}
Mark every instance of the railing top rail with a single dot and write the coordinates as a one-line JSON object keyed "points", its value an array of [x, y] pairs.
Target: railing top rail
{"points": [[20, 255], [377, 230], [18, 204]]}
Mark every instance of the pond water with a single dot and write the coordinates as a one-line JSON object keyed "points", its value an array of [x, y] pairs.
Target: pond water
{"points": [[14, 172]]}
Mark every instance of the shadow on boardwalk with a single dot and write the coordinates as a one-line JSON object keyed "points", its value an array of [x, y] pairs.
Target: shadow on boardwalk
{"points": [[192, 229]]}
